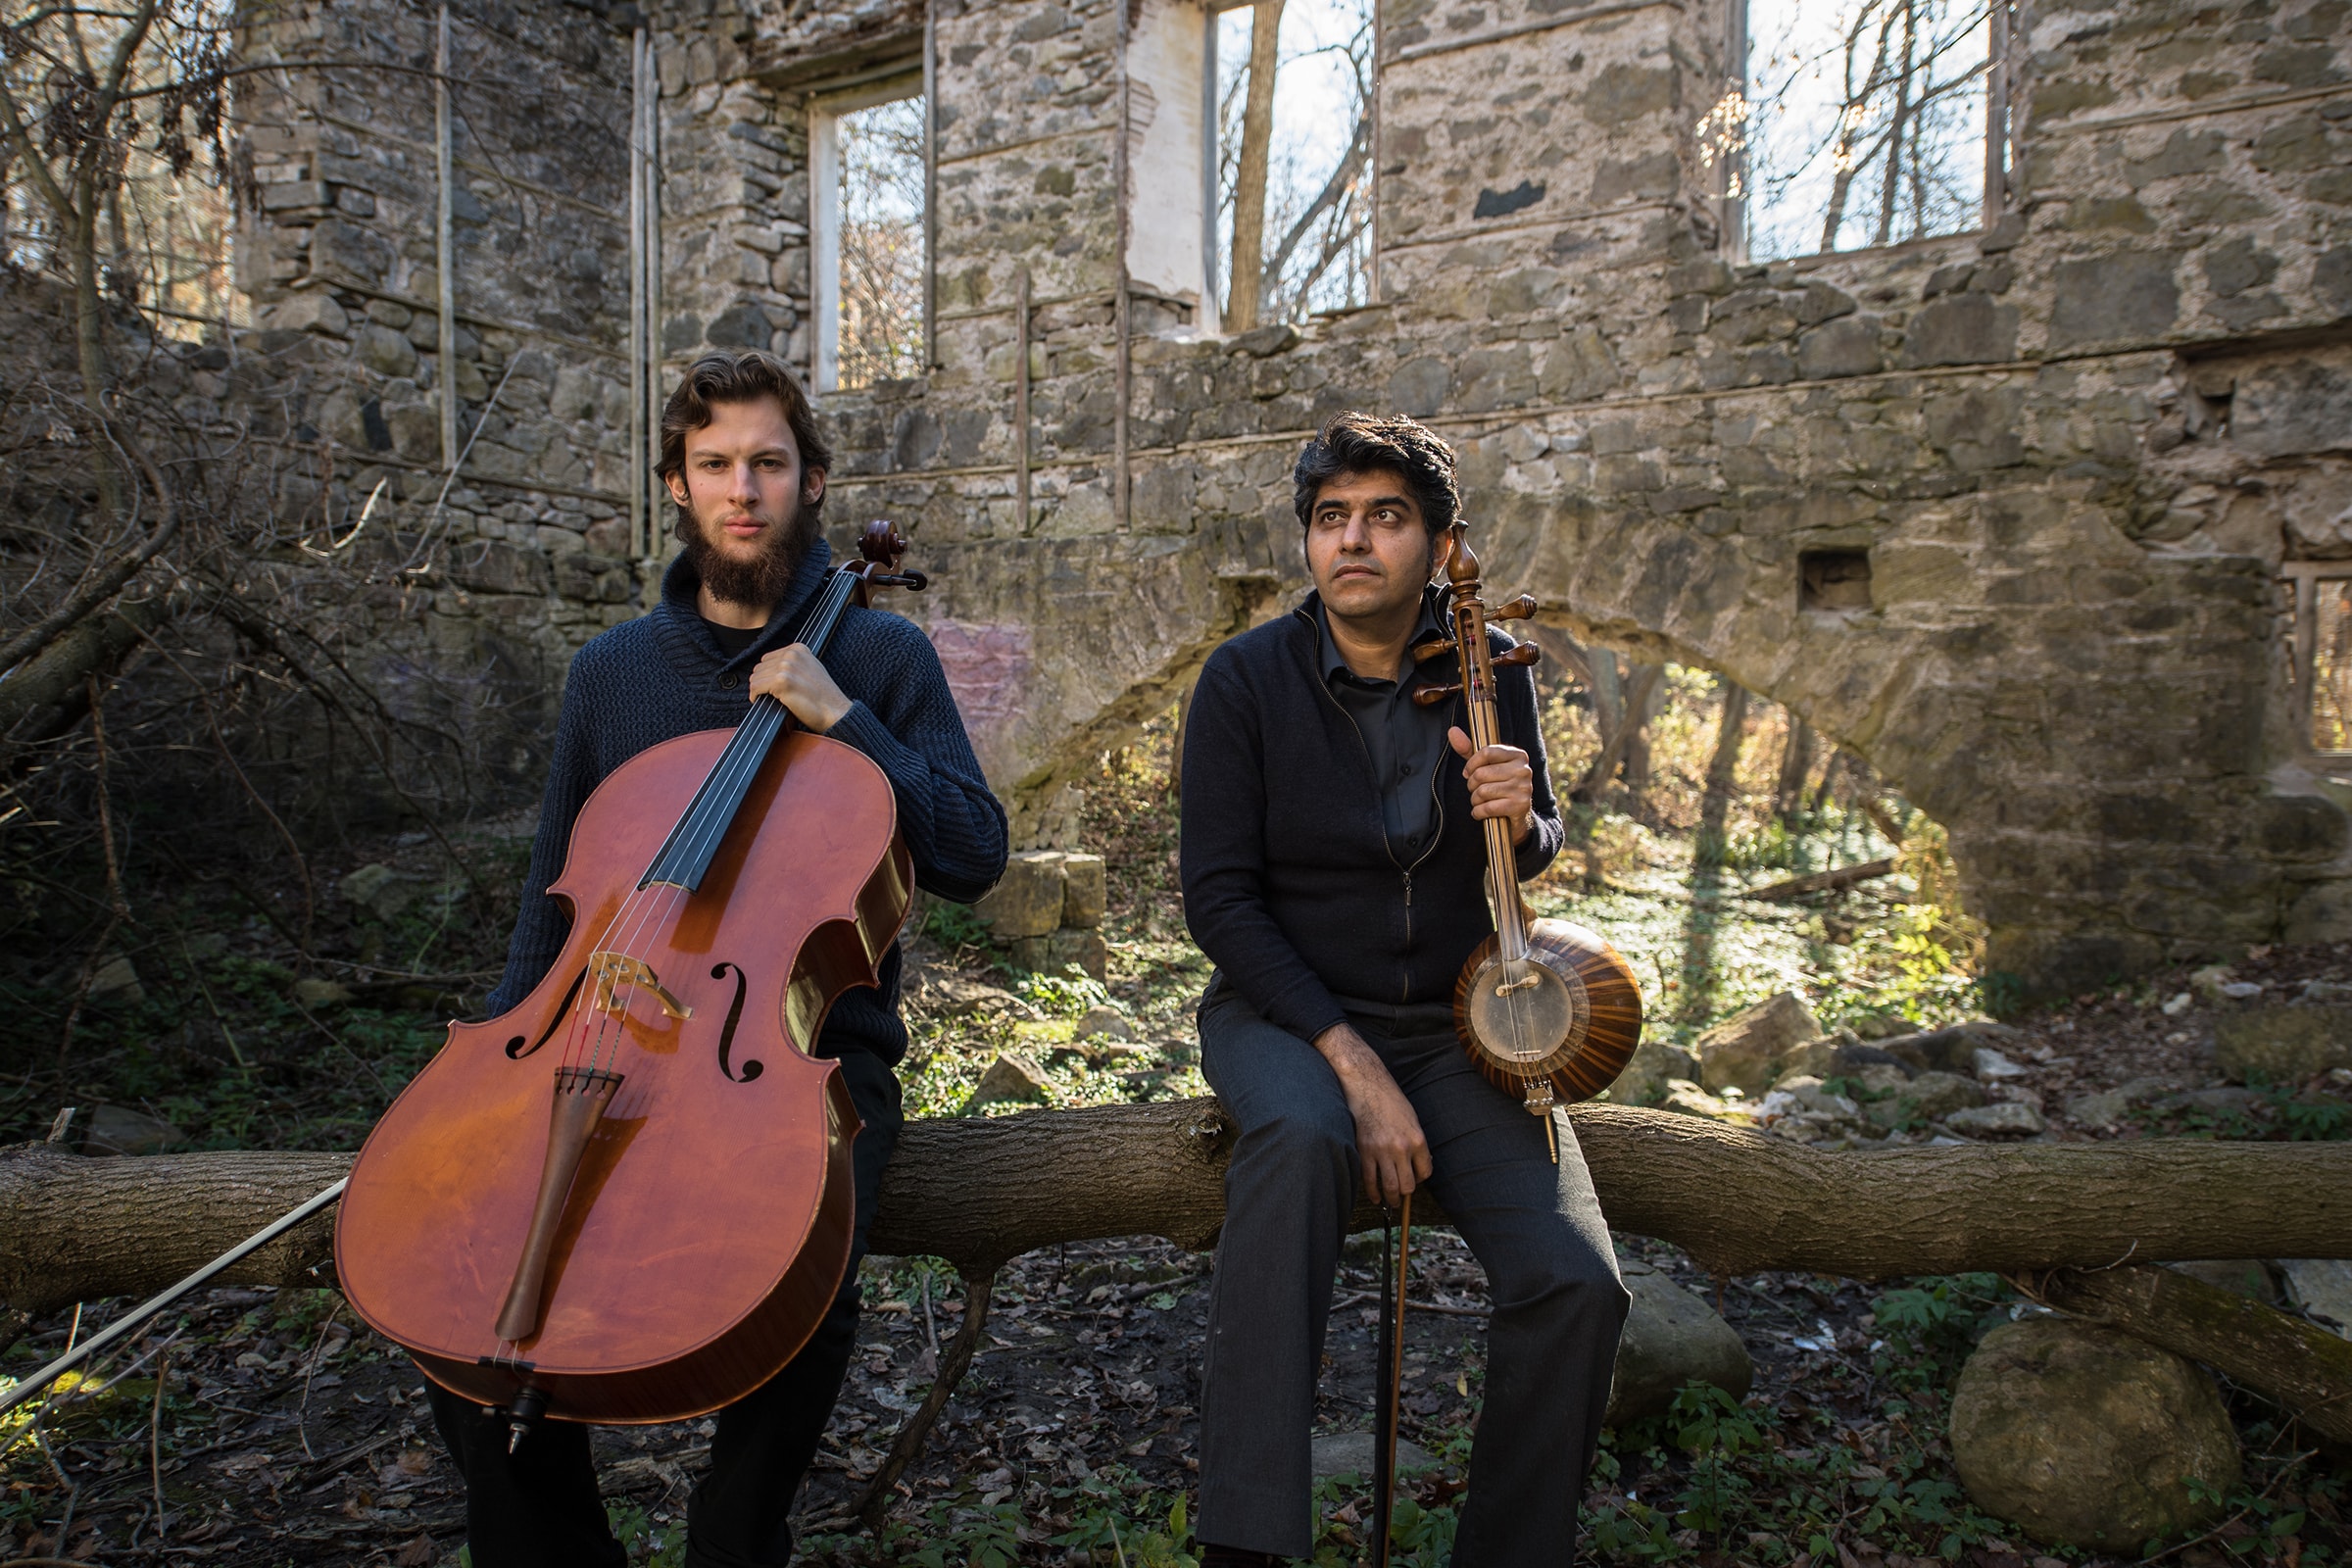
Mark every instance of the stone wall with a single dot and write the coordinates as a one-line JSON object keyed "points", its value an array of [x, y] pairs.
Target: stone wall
{"points": [[2073, 449], [527, 552]]}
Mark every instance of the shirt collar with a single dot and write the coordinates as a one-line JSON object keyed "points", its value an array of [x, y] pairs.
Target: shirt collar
{"points": [[1334, 666]]}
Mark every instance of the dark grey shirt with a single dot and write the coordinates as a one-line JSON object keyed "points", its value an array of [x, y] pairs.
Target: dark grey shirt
{"points": [[1404, 740]]}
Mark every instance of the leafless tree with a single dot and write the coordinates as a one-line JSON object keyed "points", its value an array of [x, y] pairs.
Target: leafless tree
{"points": [[1321, 259], [192, 600], [1895, 127]]}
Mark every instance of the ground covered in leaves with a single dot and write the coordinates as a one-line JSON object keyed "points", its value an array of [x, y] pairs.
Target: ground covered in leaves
{"points": [[262, 1428]]}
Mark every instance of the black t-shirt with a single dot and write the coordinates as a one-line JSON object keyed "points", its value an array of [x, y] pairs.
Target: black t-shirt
{"points": [[733, 640]]}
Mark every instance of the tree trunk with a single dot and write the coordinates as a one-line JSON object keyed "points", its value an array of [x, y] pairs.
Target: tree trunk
{"points": [[1796, 764], [47, 695], [1829, 881], [1890, 192], [1184, 719], [982, 1189], [1722, 778], [1249, 181], [1619, 742], [2305, 1369]]}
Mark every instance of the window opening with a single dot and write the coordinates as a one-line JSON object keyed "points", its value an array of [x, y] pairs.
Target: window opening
{"points": [[2318, 607], [871, 266], [1833, 579], [1294, 153], [1861, 122]]}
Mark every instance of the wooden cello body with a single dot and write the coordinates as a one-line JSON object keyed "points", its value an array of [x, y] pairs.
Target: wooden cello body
{"points": [[629, 1199]]}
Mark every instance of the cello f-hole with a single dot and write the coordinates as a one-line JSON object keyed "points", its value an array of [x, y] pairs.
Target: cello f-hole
{"points": [[516, 1048], [726, 1034]]}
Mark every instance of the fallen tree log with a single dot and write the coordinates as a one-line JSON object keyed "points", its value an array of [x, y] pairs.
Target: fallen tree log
{"points": [[980, 1191], [1829, 881], [2304, 1369]]}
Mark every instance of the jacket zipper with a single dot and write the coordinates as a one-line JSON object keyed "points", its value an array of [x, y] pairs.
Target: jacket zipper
{"points": [[1436, 801], [1405, 871]]}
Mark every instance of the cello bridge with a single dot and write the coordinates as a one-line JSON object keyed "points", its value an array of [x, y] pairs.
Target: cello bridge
{"points": [[615, 969]]}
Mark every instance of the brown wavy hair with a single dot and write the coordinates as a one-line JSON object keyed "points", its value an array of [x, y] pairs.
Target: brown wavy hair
{"points": [[738, 376]]}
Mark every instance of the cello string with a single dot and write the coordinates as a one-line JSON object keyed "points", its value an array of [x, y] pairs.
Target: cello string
{"points": [[659, 910], [706, 824]]}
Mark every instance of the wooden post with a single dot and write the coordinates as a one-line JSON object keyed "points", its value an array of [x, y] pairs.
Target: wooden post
{"points": [[1020, 397], [445, 247], [1121, 320], [1996, 113], [931, 358], [640, 532]]}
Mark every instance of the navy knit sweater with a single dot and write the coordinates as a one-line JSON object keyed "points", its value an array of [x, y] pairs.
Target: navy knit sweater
{"points": [[664, 676], [1291, 885]]}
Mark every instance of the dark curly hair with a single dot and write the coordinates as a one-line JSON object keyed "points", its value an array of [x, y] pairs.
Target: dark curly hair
{"points": [[738, 376], [1371, 443]]}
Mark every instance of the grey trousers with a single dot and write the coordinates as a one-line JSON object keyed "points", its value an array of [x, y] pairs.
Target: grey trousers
{"points": [[1536, 1228]]}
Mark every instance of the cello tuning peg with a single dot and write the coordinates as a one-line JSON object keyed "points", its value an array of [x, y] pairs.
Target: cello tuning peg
{"points": [[1518, 609], [1432, 649], [1523, 654], [1430, 695], [881, 543]]}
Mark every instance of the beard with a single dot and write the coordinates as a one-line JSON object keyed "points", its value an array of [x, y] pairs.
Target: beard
{"points": [[762, 579]]}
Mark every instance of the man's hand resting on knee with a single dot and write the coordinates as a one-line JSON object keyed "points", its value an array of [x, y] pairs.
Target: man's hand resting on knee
{"points": [[1388, 1134]]}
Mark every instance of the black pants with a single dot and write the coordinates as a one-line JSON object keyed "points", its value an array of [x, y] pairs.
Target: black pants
{"points": [[1536, 1226], [539, 1508]]}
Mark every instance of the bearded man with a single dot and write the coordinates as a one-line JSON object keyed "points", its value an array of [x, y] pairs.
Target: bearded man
{"points": [[1334, 867], [745, 464]]}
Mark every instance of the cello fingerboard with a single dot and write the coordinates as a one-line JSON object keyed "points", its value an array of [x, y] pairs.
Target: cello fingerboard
{"points": [[686, 855]]}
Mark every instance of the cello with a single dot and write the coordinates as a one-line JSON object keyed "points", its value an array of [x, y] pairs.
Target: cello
{"points": [[629, 1199]]}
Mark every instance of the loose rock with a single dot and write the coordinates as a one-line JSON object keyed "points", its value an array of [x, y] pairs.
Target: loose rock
{"points": [[2109, 1109], [1011, 1077], [1952, 1050], [2282, 1045], [2323, 1287], [1105, 1023], [1692, 1101], [1740, 1051], [2087, 1436], [1653, 1063], [378, 891], [1991, 1065], [1085, 890], [2007, 1119], [1930, 1096], [120, 1130], [115, 984], [1027, 900], [1670, 1338]]}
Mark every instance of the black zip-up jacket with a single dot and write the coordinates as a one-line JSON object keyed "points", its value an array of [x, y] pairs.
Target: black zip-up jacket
{"points": [[1290, 884]]}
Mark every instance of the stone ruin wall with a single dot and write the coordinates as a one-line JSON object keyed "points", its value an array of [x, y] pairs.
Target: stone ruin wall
{"points": [[2076, 447]]}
